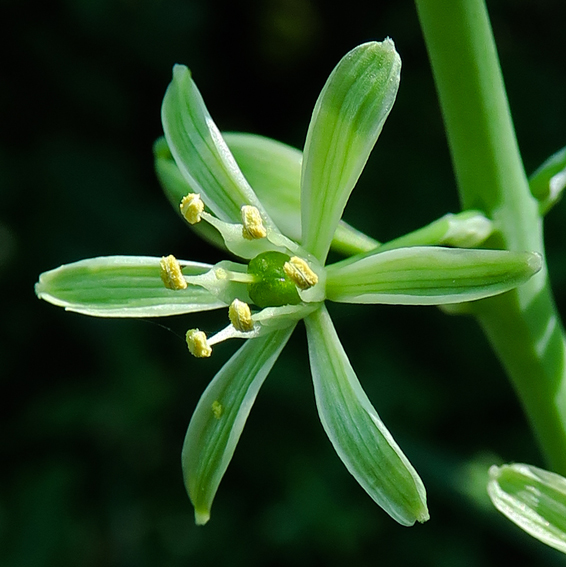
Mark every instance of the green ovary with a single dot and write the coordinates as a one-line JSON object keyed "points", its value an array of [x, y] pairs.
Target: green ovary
{"points": [[273, 288]]}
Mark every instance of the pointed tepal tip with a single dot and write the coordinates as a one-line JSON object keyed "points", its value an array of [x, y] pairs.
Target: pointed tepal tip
{"points": [[38, 288], [43, 287], [494, 472], [388, 42], [201, 517], [535, 262], [181, 71], [387, 45], [423, 516]]}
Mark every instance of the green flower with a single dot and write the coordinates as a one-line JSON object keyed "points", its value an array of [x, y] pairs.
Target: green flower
{"points": [[284, 230], [532, 498]]}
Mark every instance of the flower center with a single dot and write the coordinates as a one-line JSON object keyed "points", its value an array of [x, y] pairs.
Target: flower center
{"points": [[273, 286]]}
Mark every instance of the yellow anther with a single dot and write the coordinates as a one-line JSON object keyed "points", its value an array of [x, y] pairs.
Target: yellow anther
{"points": [[300, 272], [197, 343], [170, 272], [253, 223], [240, 316], [191, 207], [217, 409]]}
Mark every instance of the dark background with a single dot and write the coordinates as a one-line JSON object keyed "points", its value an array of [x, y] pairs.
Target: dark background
{"points": [[94, 411]]}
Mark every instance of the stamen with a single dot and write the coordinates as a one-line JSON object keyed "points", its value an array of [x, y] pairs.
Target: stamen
{"points": [[300, 272], [197, 343], [221, 274], [192, 207], [217, 409], [241, 277], [241, 316], [253, 224], [170, 272]]}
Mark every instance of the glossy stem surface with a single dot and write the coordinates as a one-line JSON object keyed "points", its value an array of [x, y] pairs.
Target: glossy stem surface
{"points": [[522, 325]]}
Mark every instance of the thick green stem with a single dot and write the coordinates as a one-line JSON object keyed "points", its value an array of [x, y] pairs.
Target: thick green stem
{"points": [[522, 325]]}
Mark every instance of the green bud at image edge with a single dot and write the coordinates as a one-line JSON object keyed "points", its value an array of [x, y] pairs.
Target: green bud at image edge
{"points": [[532, 498]]}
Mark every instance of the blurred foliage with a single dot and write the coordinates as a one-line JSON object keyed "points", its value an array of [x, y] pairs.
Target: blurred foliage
{"points": [[94, 411]]}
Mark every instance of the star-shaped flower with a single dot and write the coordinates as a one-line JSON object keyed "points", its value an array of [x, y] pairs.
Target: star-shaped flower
{"points": [[285, 241]]}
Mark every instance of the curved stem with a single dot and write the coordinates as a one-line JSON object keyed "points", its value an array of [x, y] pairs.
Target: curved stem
{"points": [[522, 325]]}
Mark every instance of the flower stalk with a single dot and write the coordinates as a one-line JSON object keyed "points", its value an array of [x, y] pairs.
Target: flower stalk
{"points": [[522, 326]]}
